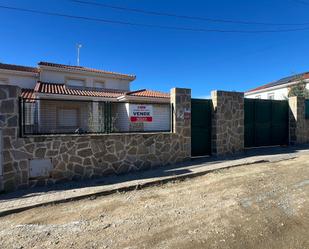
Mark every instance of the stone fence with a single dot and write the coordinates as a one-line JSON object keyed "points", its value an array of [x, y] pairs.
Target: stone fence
{"points": [[41, 160], [299, 125]]}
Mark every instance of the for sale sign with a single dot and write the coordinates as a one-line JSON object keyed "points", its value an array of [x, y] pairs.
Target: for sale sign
{"points": [[141, 113]]}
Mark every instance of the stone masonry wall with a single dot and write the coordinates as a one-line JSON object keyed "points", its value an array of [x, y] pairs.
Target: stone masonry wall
{"points": [[85, 156], [227, 122], [298, 124]]}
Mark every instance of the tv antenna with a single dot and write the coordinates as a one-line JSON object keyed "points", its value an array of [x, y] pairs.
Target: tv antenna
{"points": [[78, 46]]}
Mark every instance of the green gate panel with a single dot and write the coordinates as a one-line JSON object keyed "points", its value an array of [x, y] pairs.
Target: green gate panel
{"points": [[263, 112], [201, 127], [266, 122]]}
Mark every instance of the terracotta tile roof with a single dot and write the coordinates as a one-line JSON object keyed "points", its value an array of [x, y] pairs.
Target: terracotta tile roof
{"points": [[281, 81], [86, 69], [54, 88], [18, 68], [148, 93], [28, 94]]}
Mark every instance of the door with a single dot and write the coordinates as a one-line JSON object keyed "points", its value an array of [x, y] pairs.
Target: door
{"points": [[266, 122], [201, 110]]}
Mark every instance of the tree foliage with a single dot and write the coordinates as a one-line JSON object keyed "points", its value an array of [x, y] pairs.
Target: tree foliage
{"points": [[299, 90]]}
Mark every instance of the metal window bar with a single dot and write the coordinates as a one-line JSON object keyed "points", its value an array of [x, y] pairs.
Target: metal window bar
{"points": [[57, 116]]}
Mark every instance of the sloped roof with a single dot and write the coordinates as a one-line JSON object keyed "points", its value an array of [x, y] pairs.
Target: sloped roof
{"points": [[148, 93], [282, 81], [85, 69], [56, 88], [18, 68]]}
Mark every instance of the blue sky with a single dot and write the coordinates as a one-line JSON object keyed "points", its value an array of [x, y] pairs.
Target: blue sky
{"points": [[163, 59]]}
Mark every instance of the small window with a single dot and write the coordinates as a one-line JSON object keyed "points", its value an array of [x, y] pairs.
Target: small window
{"points": [[271, 96], [67, 118], [258, 96], [75, 82], [99, 84]]}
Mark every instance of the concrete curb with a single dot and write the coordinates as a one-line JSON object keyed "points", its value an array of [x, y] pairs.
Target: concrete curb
{"points": [[136, 186]]}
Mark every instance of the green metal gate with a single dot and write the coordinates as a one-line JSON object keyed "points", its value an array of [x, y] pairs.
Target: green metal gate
{"points": [[266, 122], [201, 127]]}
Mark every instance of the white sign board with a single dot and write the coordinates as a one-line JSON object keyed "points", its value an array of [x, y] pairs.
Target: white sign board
{"points": [[141, 113]]}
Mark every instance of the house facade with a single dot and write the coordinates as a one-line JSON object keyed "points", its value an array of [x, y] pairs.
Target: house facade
{"points": [[61, 98], [279, 89]]}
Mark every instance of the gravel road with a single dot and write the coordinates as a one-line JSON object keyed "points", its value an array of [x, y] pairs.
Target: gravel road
{"points": [[263, 205]]}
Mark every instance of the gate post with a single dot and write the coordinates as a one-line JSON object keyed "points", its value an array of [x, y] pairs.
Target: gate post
{"points": [[227, 122], [298, 124], [181, 117]]}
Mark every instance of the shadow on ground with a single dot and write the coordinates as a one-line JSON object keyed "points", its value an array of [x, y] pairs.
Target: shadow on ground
{"points": [[172, 170]]}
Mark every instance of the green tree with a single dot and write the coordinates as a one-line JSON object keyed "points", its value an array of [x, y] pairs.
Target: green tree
{"points": [[299, 89]]}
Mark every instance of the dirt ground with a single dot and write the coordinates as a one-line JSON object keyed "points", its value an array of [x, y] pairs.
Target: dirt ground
{"points": [[254, 206]]}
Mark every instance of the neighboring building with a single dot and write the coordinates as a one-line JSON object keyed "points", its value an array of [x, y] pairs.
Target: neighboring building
{"points": [[63, 98], [278, 90]]}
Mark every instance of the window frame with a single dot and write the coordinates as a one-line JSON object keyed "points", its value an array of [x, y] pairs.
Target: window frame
{"points": [[67, 79], [271, 96], [99, 82]]}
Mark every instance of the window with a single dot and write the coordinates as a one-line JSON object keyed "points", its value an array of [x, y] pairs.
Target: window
{"points": [[258, 96], [67, 117], [99, 84], [75, 82], [271, 96]]}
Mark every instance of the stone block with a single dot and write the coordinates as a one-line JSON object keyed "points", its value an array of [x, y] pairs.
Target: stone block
{"points": [[8, 106], [84, 152], [12, 121], [40, 152]]}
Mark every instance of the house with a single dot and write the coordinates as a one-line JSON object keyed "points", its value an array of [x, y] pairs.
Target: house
{"points": [[279, 89], [59, 98]]}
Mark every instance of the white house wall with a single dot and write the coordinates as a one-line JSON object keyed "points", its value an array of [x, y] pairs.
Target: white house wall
{"points": [[60, 77], [279, 94], [18, 80]]}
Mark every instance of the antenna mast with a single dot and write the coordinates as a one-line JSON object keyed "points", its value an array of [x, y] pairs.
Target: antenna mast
{"points": [[78, 52]]}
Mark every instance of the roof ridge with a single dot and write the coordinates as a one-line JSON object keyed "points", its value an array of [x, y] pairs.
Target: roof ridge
{"points": [[281, 81], [65, 66], [84, 88], [18, 67]]}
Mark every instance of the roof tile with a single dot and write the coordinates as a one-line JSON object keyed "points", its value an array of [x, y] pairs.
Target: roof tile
{"points": [[85, 69], [18, 68]]}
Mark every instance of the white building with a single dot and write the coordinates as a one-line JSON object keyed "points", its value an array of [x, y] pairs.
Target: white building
{"points": [[277, 90], [63, 98]]}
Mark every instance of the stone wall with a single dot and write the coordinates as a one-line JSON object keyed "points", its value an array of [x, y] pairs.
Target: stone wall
{"points": [[298, 124], [85, 156], [227, 122]]}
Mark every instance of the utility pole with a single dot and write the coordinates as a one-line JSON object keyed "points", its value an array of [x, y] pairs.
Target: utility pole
{"points": [[78, 52]]}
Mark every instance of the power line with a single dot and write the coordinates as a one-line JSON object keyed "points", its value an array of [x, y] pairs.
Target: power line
{"points": [[147, 12], [110, 21]]}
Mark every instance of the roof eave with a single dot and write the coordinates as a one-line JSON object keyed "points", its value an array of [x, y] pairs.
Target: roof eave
{"points": [[18, 72], [274, 87], [128, 98], [85, 72]]}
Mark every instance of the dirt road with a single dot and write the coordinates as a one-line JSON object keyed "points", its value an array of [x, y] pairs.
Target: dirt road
{"points": [[254, 206]]}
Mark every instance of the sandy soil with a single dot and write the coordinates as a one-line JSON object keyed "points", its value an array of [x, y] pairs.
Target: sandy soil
{"points": [[254, 206]]}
